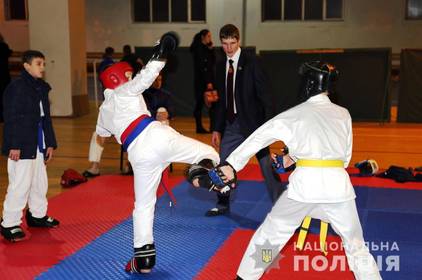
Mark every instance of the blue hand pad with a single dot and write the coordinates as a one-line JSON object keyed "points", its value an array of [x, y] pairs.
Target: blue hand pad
{"points": [[215, 178], [278, 165]]}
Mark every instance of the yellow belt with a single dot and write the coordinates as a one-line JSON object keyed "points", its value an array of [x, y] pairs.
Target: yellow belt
{"points": [[307, 221], [319, 163], [304, 231]]}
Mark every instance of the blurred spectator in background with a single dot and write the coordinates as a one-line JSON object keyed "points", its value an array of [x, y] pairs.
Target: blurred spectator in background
{"points": [[105, 62], [5, 53], [107, 59], [131, 58], [97, 142], [203, 73], [158, 101]]}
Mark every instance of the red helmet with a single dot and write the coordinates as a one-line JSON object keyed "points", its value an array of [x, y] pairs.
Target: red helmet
{"points": [[71, 178], [114, 75]]}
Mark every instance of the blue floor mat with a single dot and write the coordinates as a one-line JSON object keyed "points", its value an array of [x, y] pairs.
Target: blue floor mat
{"points": [[186, 239], [395, 200]]}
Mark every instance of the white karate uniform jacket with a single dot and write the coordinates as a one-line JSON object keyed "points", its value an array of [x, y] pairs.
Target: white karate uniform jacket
{"points": [[330, 126], [119, 108]]}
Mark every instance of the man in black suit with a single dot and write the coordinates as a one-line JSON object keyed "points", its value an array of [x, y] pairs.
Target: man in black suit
{"points": [[244, 104]]}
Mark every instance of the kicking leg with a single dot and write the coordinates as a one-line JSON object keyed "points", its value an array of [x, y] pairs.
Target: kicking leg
{"points": [[171, 146]]}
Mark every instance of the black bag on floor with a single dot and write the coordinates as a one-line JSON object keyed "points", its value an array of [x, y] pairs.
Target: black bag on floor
{"points": [[398, 174]]}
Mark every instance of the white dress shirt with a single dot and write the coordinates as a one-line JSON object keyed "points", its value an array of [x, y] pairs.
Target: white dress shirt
{"points": [[125, 103], [235, 59], [315, 129]]}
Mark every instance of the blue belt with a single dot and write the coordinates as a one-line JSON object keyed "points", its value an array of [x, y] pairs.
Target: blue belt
{"points": [[134, 129], [40, 138]]}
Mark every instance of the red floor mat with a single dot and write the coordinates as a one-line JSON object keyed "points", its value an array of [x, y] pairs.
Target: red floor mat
{"points": [[224, 264], [85, 212]]}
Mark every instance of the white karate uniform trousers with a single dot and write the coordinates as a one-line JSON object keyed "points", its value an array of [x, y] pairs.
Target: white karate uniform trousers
{"points": [[28, 183], [149, 154], [287, 215]]}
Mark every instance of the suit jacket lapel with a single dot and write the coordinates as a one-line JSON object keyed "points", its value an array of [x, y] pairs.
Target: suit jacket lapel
{"points": [[222, 79], [239, 77]]}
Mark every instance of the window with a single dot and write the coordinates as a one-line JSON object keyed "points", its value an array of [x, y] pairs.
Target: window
{"points": [[292, 9], [197, 10], [271, 9], [15, 9], [287, 10], [169, 10], [414, 9], [313, 9], [334, 9], [160, 10], [179, 10]]}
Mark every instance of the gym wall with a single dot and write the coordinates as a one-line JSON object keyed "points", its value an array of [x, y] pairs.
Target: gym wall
{"points": [[363, 85]]}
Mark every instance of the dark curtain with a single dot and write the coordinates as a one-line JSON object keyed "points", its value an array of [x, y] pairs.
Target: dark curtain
{"points": [[409, 107], [362, 87]]}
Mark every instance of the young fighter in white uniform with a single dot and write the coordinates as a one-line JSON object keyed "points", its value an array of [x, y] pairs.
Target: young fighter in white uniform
{"points": [[319, 136], [28, 142], [151, 145]]}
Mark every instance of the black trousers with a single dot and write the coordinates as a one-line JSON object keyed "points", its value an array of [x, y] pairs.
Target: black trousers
{"points": [[231, 139]]}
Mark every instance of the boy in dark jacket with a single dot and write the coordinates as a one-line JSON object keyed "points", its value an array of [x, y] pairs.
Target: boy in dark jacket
{"points": [[28, 142], [158, 101]]}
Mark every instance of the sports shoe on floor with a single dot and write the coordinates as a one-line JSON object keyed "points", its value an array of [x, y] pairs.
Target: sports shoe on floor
{"points": [[44, 222], [217, 211], [89, 174], [12, 234], [143, 260]]}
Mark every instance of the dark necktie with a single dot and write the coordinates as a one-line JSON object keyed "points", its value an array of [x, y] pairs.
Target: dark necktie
{"points": [[229, 90]]}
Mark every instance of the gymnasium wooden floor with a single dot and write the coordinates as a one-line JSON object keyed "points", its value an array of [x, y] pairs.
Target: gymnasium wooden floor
{"points": [[389, 144]]}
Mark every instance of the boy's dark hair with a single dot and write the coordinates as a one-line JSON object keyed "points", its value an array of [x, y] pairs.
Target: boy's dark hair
{"points": [[29, 55], [109, 51], [127, 49], [229, 31]]}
